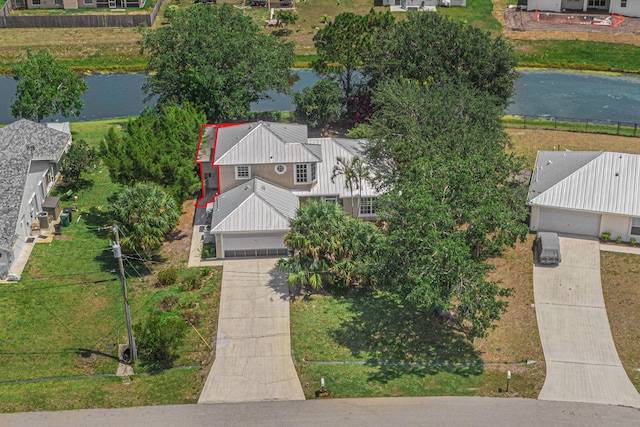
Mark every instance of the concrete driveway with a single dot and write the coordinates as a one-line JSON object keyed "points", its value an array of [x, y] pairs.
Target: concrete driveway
{"points": [[582, 361], [253, 349]]}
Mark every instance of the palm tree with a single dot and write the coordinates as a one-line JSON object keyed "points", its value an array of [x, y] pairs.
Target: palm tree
{"points": [[327, 245], [144, 213], [354, 172]]}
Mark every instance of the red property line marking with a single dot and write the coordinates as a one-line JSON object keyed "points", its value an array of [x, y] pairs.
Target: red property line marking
{"points": [[202, 202]]}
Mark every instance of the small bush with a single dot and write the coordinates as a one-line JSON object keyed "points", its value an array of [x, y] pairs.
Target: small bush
{"points": [[208, 250], [633, 241], [618, 240], [605, 237], [167, 277], [205, 271], [190, 279], [158, 338]]}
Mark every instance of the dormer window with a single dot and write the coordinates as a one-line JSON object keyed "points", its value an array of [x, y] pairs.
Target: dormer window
{"points": [[243, 172], [305, 173]]}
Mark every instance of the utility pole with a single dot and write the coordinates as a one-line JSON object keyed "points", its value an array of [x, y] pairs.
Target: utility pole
{"points": [[117, 253]]}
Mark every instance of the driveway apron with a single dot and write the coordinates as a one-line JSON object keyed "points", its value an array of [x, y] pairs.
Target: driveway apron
{"points": [[581, 357], [253, 349]]}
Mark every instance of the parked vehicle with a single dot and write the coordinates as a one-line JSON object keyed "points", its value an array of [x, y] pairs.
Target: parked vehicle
{"points": [[547, 248]]}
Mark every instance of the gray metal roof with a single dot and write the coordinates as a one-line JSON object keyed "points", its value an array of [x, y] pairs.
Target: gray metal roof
{"points": [[332, 149], [264, 143], [609, 183], [256, 205], [554, 166], [20, 142]]}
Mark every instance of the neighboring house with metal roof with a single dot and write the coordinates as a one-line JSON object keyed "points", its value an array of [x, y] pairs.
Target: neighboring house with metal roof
{"points": [[255, 175], [29, 158], [586, 193]]}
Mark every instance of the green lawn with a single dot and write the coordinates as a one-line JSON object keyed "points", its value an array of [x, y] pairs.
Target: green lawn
{"points": [[575, 54], [66, 317], [373, 329], [476, 13]]}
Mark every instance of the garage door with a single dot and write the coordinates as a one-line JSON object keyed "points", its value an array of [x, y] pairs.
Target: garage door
{"points": [[266, 245], [571, 222]]}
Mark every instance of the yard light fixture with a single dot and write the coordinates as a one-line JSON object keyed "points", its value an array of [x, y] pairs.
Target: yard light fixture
{"points": [[508, 380]]}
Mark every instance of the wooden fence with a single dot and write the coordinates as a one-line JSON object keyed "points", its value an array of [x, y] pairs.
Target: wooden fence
{"points": [[68, 21]]}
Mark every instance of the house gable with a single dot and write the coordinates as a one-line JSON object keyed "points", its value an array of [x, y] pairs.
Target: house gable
{"points": [[610, 183], [255, 205], [260, 143]]}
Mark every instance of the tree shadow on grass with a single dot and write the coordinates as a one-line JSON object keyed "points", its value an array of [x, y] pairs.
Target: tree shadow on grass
{"points": [[76, 186], [402, 341]]}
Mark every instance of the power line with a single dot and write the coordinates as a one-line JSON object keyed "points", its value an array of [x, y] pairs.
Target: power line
{"points": [[57, 286], [137, 253], [65, 275]]}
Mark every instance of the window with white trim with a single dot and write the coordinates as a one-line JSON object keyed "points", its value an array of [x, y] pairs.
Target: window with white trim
{"points": [[597, 3], [305, 173], [35, 2], [280, 169], [243, 172], [367, 206], [623, 3], [635, 226], [333, 199]]}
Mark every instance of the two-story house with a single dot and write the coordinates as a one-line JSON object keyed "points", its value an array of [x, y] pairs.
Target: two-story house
{"points": [[255, 175], [29, 157]]}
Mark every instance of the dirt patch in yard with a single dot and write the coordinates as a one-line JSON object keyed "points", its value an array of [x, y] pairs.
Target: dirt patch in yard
{"points": [[622, 299], [527, 142], [516, 338], [175, 249]]}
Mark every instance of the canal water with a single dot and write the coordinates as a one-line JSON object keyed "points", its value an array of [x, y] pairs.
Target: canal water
{"points": [[545, 93]]}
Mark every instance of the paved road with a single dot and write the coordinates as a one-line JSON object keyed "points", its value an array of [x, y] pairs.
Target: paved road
{"points": [[395, 412], [253, 350], [581, 358]]}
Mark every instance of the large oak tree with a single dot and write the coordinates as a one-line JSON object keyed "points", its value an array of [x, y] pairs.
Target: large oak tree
{"points": [[429, 47], [216, 59], [45, 88], [452, 201], [344, 45]]}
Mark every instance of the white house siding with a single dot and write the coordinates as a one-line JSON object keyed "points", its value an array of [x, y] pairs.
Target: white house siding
{"points": [[566, 221], [632, 9], [545, 5], [617, 225]]}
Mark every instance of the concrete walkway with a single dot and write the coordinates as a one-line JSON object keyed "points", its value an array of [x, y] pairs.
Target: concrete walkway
{"points": [[253, 350], [582, 361]]}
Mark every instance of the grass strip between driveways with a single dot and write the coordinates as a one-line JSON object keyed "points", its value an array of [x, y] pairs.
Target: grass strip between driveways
{"points": [[391, 351]]}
